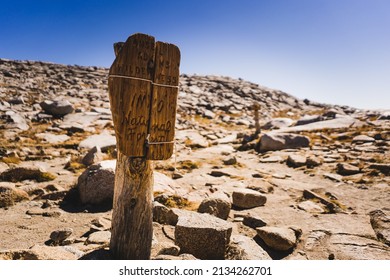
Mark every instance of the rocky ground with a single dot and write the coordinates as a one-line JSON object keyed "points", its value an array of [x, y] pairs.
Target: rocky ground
{"points": [[301, 180]]}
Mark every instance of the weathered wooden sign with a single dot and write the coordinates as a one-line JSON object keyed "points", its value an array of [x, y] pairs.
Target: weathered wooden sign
{"points": [[143, 86]]}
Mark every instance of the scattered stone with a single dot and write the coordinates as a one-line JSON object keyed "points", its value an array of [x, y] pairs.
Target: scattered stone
{"points": [[96, 183], [39, 252], [203, 235], [245, 248], [168, 249], [313, 161], [310, 207], [100, 224], [362, 139], [309, 119], [52, 138], [253, 221], [296, 161], [230, 161], [280, 239], [104, 140], [245, 199], [278, 123], [380, 223], [99, 237], [333, 177], [164, 215], [346, 169], [16, 120], [9, 195], [219, 173], [382, 167], [57, 108], [281, 141], [272, 159], [181, 257], [93, 156], [58, 236], [217, 205]]}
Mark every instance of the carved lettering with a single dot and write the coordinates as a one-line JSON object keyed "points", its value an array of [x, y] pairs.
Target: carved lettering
{"points": [[162, 127]]}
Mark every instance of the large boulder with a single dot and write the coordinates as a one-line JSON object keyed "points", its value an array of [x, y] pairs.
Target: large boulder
{"points": [[281, 141], [203, 235], [96, 183]]}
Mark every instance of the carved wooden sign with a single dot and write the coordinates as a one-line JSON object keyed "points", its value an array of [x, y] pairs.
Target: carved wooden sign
{"points": [[143, 87]]}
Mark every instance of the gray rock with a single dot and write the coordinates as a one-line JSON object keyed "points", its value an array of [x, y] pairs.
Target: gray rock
{"points": [[16, 120], [218, 206], [164, 215], [96, 183], [278, 123], [311, 207], [202, 235], [362, 139], [104, 140], [346, 169], [380, 223], [281, 239], [245, 198], [99, 237], [337, 123], [253, 221], [281, 141], [58, 236], [296, 161], [245, 248], [52, 138], [93, 156], [57, 108], [309, 119]]}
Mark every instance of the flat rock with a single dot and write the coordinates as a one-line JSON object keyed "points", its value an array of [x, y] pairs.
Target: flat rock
{"points": [[16, 120], [39, 252], [309, 119], [99, 237], [362, 139], [380, 223], [217, 205], [18, 174], [253, 221], [245, 198], [57, 108], [346, 169], [281, 141], [104, 140], [337, 123], [272, 159], [244, 248], [296, 161], [96, 183], [52, 138], [202, 235], [281, 239], [278, 123], [310, 207]]}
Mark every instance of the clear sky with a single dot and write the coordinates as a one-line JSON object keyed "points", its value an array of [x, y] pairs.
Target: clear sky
{"points": [[333, 51]]}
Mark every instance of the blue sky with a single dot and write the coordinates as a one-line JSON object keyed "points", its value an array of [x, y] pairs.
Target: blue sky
{"points": [[333, 51]]}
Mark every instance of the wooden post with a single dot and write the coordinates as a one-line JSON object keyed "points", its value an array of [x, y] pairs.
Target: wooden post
{"points": [[256, 108], [143, 87]]}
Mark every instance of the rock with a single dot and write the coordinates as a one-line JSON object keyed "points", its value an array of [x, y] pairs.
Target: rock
{"points": [[296, 161], [218, 206], [9, 195], [338, 123], [229, 161], [384, 116], [309, 119], [101, 224], [104, 140], [99, 237], [58, 236], [245, 198], [18, 174], [281, 141], [16, 120], [52, 138], [96, 183], [311, 207], [180, 257], [168, 249], [253, 221], [278, 123], [245, 248], [193, 139], [362, 139], [333, 177], [163, 184], [93, 156], [380, 223], [39, 252], [382, 167], [312, 161], [164, 215], [280, 239], [272, 159], [208, 114], [202, 235], [346, 169], [57, 108]]}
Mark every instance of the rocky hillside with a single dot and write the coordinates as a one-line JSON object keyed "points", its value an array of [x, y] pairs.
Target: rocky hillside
{"points": [[297, 180]]}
